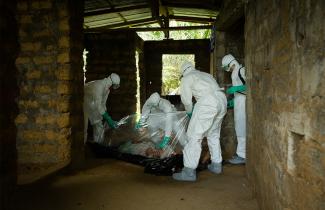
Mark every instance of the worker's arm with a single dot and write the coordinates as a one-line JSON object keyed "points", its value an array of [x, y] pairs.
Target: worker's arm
{"points": [[186, 93], [146, 109], [234, 89], [110, 121], [100, 96]]}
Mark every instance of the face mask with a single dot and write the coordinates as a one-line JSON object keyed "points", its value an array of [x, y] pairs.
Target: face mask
{"points": [[115, 86], [227, 67]]}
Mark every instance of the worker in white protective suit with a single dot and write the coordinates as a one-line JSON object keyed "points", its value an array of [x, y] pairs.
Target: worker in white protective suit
{"points": [[95, 97], [158, 112], [229, 63], [206, 118]]}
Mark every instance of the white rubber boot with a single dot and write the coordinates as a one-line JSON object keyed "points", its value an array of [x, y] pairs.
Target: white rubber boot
{"points": [[187, 174]]}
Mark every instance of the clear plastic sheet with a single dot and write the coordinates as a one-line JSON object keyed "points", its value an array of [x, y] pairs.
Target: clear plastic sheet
{"points": [[144, 141]]}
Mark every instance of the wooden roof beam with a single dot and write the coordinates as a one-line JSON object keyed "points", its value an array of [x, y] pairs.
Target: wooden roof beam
{"points": [[192, 19], [91, 30], [198, 5], [113, 10]]}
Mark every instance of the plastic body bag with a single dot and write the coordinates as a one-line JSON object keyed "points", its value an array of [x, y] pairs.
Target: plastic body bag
{"points": [[139, 146], [144, 141]]}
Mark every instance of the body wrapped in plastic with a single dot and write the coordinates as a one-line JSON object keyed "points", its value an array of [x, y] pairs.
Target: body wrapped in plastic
{"points": [[144, 141]]}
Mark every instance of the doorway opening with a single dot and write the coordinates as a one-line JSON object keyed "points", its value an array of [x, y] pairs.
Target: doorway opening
{"points": [[171, 72]]}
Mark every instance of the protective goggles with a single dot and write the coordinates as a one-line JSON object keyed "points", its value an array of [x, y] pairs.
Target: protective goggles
{"points": [[226, 67]]}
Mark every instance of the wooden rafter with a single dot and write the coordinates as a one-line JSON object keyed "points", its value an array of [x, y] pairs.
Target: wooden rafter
{"points": [[153, 29], [114, 10], [154, 4], [192, 19], [198, 5], [166, 23], [128, 24]]}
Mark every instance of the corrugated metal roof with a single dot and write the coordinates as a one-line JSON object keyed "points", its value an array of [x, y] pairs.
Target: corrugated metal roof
{"points": [[127, 13], [190, 12]]}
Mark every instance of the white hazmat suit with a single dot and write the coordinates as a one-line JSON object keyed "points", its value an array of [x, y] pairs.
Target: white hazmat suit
{"points": [[155, 104], [158, 112], [206, 118], [95, 96], [238, 79]]}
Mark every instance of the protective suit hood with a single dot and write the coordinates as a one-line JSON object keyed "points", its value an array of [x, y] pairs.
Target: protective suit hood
{"points": [[115, 79], [186, 68], [228, 61], [154, 99]]}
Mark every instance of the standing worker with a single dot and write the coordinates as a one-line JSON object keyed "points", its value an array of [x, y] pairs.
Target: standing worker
{"points": [[206, 118], [95, 97], [230, 64]]}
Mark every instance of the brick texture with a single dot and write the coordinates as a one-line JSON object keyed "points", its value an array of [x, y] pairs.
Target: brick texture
{"points": [[51, 81], [285, 61], [114, 53]]}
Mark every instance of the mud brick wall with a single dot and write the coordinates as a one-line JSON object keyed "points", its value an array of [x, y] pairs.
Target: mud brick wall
{"points": [[51, 86], [8, 106], [285, 59], [153, 51], [114, 52]]}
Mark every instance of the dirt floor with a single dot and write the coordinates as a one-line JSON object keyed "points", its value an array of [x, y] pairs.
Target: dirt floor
{"points": [[117, 185]]}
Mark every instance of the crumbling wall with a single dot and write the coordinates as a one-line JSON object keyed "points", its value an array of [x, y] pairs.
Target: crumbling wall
{"points": [[8, 106], [285, 60], [153, 51], [51, 86], [114, 52]]}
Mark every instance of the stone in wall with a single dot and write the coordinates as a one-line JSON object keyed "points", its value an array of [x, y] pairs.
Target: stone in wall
{"points": [[50, 77], [114, 52], [285, 61]]}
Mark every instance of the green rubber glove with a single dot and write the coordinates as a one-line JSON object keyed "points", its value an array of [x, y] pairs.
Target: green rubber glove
{"points": [[138, 125], [110, 121], [235, 89], [189, 114], [230, 104], [164, 142]]}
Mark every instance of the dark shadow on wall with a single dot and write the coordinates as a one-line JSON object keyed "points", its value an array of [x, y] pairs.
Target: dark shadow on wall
{"points": [[8, 107]]}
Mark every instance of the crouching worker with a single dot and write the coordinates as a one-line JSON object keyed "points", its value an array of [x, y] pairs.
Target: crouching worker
{"points": [[95, 96], [206, 118], [155, 111]]}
